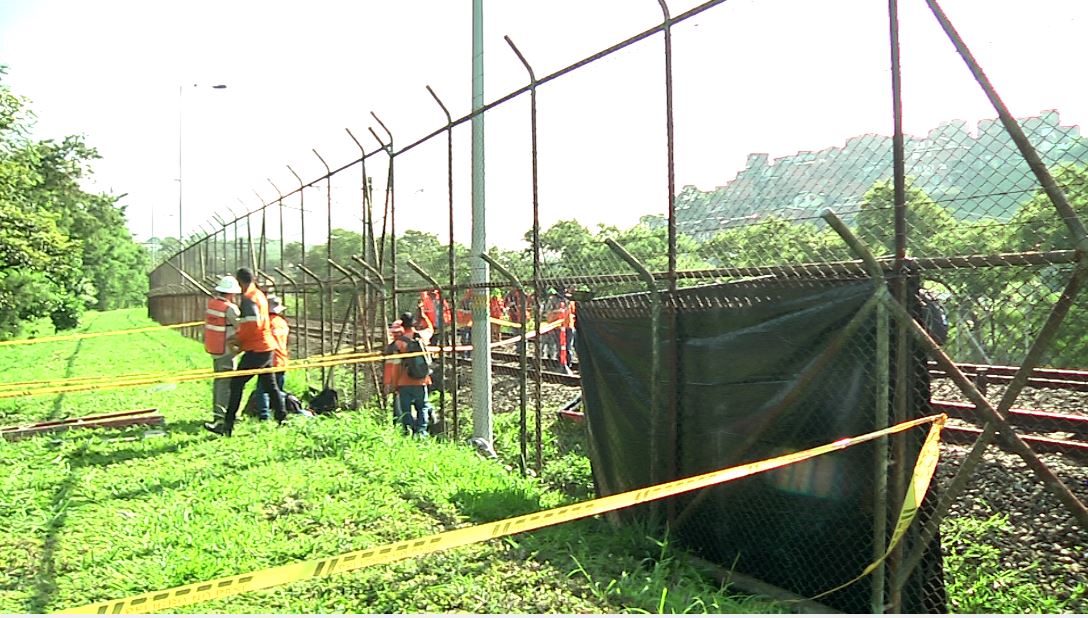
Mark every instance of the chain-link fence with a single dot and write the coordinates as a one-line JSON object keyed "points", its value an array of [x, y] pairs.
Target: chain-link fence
{"points": [[974, 231]]}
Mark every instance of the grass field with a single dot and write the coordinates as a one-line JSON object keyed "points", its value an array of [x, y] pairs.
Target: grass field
{"points": [[97, 514]]}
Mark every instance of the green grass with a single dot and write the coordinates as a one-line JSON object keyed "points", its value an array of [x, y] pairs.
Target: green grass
{"points": [[977, 581], [95, 514]]}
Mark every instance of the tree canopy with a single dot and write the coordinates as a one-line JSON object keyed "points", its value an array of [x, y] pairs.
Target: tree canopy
{"points": [[62, 249]]}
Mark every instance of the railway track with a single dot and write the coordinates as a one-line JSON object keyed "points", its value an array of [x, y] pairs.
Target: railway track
{"points": [[1064, 431], [1046, 431]]}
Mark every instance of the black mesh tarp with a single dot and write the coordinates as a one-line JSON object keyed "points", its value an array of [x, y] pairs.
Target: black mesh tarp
{"points": [[730, 357]]}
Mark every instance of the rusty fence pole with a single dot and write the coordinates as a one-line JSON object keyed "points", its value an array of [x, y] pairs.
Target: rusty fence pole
{"points": [[900, 285], [538, 285], [321, 312], [449, 331], [302, 257], [369, 246], [656, 416], [375, 291], [391, 200], [279, 203], [353, 311], [328, 241]]}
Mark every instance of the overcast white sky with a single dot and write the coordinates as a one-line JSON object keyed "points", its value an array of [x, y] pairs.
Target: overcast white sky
{"points": [[772, 76]]}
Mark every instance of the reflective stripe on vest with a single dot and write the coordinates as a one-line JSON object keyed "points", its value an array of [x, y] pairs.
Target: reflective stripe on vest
{"points": [[215, 327]]}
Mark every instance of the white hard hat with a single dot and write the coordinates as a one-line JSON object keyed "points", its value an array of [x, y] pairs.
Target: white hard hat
{"points": [[228, 285], [275, 305]]}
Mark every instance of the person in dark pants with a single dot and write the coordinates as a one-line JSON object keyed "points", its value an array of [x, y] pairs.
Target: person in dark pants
{"points": [[255, 337], [411, 393], [280, 330]]}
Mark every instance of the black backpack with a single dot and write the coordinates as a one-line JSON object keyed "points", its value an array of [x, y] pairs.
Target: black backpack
{"points": [[417, 366], [328, 400]]}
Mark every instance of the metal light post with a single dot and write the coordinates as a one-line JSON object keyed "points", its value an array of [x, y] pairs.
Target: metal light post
{"points": [[181, 99]]}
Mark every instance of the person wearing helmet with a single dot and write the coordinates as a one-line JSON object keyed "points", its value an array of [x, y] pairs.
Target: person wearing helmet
{"points": [[254, 335], [280, 330], [220, 320]]}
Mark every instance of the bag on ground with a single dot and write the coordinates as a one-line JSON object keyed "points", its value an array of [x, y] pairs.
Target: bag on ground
{"points": [[328, 400]]}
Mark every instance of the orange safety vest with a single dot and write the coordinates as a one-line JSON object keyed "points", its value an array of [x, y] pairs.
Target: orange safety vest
{"points": [[447, 317], [395, 376], [215, 326], [464, 318], [558, 313], [427, 307], [280, 330], [254, 330]]}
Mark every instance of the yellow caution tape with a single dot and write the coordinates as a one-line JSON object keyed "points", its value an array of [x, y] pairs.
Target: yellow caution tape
{"points": [[108, 382], [400, 550], [110, 333], [924, 468], [502, 322], [111, 382], [135, 380]]}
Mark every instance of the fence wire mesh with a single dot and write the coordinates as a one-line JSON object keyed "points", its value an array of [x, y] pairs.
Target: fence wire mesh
{"points": [[982, 258]]}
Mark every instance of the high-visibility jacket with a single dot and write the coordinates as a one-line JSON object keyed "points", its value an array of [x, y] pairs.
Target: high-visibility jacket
{"points": [[254, 328], [464, 318], [496, 307], [280, 330], [427, 307], [571, 319], [395, 375], [557, 312], [218, 325]]}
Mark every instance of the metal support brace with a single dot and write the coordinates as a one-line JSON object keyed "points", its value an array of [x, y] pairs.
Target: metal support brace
{"points": [[1007, 435], [656, 417], [522, 394]]}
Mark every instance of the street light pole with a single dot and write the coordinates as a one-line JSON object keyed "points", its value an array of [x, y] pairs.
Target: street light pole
{"points": [[181, 106]]}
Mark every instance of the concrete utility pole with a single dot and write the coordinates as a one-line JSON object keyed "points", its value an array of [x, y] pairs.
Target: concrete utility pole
{"points": [[481, 331]]}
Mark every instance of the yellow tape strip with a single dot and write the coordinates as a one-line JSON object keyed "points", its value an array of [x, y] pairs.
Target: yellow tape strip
{"points": [[924, 468], [400, 550], [89, 383], [117, 382], [110, 333]]}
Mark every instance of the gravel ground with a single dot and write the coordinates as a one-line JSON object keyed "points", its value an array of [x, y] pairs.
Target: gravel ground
{"points": [[1041, 534]]}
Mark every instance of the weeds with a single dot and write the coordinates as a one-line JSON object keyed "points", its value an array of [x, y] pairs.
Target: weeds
{"points": [[92, 515], [977, 581]]}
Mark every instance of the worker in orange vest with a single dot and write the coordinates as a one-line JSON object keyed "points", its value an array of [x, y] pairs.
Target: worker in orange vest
{"points": [[254, 335], [410, 392], [280, 330], [566, 353], [427, 308], [220, 320], [497, 310]]}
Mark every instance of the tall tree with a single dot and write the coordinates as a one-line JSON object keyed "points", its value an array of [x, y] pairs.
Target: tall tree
{"points": [[62, 249]]}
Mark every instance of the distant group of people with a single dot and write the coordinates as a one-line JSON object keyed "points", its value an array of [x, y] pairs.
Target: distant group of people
{"points": [[556, 344], [240, 319]]}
